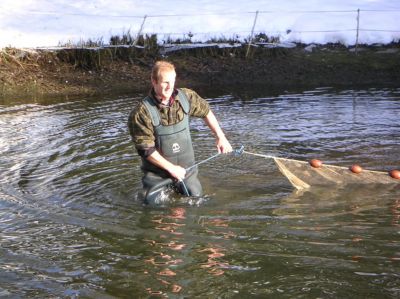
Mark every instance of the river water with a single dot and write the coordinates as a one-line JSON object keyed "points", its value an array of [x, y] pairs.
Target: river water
{"points": [[71, 225]]}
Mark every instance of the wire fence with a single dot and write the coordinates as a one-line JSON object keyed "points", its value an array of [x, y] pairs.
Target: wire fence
{"points": [[356, 24], [257, 27]]}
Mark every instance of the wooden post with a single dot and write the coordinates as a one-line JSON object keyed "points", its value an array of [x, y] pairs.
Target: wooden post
{"points": [[358, 29], [252, 33], [140, 30]]}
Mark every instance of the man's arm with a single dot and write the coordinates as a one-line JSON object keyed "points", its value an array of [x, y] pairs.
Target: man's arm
{"points": [[223, 144], [200, 108]]}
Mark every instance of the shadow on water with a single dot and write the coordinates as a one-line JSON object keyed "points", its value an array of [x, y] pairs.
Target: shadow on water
{"points": [[71, 224]]}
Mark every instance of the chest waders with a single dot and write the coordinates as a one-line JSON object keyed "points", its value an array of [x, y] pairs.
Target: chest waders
{"points": [[174, 143]]}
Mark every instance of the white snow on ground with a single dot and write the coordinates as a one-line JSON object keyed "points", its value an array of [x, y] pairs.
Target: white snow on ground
{"points": [[47, 23]]}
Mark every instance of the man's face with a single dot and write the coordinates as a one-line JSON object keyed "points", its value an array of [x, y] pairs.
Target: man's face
{"points": [[164, 86]]}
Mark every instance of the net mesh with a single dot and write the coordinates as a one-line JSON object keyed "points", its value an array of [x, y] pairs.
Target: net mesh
{"points": [[302, 175]]}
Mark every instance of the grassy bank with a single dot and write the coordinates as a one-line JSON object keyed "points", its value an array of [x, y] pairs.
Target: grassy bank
{"points": [[126, 68]]}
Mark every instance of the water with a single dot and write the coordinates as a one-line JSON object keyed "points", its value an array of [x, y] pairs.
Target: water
{"points": [[70, 224]]}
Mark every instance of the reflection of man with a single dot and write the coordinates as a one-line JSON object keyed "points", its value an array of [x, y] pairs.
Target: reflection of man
{"points": [[159, 126]]}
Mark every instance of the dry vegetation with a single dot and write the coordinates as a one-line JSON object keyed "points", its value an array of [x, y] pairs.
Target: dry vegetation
{"points": [[100, 69]]}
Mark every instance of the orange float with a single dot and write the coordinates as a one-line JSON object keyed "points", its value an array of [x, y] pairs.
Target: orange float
{"points": [[316, 163], [356, 168], [395, 174]]}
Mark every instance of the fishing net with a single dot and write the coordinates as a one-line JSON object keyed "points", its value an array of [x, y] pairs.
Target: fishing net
{"points": [[302, 175]]}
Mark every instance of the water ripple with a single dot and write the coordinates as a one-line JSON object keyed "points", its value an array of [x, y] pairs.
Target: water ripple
{"points": [[71, 225]]}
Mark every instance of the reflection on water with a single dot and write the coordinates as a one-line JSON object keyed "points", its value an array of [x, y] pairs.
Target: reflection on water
{"points": [[395, 210], [71, 226], [166, 252]]}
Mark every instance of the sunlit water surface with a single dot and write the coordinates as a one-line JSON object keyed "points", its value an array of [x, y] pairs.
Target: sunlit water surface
{"points": [[71, 226]]}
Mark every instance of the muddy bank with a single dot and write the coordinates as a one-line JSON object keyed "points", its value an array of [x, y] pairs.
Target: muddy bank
{"points": [[73, 71]]}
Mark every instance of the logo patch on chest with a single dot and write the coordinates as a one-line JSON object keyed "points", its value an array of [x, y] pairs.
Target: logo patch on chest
{"points": [[176, 148]]}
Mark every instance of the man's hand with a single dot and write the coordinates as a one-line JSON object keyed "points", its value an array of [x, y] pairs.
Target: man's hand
{"points": [[223, 145], [177, 172]]}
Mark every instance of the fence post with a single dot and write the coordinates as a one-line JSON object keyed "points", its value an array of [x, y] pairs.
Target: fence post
{"points": [[140, 30], [252, 33], [358, 29]]}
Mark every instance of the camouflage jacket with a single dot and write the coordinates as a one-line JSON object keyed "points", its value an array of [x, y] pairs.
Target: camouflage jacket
{"points": [[141, 128]]}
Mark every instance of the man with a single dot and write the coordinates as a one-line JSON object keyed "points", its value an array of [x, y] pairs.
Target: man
{"points": [[159, 127]]}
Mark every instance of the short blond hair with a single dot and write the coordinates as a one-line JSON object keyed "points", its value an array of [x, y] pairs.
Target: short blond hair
{"points": [[160, 66]]}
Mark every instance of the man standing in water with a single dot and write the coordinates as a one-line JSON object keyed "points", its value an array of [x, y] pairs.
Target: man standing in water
{"points": [[159, 127]]}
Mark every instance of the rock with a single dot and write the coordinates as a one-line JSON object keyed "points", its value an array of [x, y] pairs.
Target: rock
{"points": [[310, 48]]}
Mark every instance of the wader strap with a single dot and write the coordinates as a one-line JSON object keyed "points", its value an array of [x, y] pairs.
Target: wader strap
{"points": [[184, 101], [153, 110]]}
